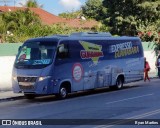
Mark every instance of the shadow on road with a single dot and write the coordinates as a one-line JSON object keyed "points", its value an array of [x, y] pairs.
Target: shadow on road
{"points": [[51, 98]]}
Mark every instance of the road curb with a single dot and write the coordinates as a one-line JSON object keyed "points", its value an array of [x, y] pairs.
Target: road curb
{"points": [[11, 98]]}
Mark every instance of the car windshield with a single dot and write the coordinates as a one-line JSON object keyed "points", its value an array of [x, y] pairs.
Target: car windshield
{"points": [[35, 55]]}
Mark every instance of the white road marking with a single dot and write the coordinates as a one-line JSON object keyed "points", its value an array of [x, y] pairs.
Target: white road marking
{"points": [[145, 114], [132, 98], [133, 117]]}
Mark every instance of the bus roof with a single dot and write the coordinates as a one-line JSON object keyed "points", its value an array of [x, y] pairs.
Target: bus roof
{"points": [[86, 36]]}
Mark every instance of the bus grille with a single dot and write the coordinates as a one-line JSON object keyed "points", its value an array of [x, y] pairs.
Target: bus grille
{"points": [[26, 79], [26, 87]]}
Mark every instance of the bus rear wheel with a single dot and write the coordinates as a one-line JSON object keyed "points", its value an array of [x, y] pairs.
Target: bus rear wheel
{"points": [[118, 85]]}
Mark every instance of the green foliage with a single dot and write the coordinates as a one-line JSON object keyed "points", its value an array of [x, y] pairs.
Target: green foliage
{"points": [[148, 27], [1, 24], [127, 17], [124, 17], [120, 17], [94, 9], [71, 15], [21, 25], [32, 4]]}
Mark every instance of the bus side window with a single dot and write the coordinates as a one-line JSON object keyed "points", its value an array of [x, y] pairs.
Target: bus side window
{"points": [[62, 52]]}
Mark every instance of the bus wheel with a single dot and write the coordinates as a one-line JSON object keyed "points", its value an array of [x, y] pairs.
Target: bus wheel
{"points": [[119, 83], [29, 96], [63, 92]]}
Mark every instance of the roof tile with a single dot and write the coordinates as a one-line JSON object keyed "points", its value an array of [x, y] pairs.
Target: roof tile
{"points": [[49, 19]]}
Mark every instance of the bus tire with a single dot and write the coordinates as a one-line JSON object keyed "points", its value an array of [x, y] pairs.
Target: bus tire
{"points": [[119, 83], [29, 96], [63, 92]]}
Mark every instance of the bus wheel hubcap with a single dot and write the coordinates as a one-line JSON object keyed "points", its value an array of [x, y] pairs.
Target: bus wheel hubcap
{"points": [[63, 92]]}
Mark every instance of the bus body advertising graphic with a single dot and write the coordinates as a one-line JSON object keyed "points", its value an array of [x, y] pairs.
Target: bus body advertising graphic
{"points": [[92, 51]]}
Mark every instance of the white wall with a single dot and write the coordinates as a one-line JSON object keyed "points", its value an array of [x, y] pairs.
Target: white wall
{"points": [[6, 64], [151, 58]]}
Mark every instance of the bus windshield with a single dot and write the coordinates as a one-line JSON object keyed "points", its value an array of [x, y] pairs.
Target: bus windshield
{"points": [[35, 55]]}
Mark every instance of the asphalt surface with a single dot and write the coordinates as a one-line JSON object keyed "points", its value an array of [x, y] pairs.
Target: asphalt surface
{"points": [[9, 95], [91, 109]]}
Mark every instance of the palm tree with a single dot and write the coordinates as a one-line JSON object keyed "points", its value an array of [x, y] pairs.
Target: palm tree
{"points": [[31, 3]]}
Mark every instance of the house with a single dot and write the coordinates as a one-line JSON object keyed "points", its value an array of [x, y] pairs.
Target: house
{"points": [[49, 19]]}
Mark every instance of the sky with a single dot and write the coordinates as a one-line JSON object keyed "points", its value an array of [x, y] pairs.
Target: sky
{"points": [[53, 6]]}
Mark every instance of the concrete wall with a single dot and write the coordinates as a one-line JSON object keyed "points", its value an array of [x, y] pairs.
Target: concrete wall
{"points": [[151, 58], [150, 55], [6, 64], [8, 52]]}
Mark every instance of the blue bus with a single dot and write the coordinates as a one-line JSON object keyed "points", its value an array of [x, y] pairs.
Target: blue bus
{"points": [[62, 64]]}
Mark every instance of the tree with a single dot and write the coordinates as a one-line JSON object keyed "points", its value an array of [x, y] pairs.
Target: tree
{"points": [[2, 29], [94, 9], [71, 15], [17, 23], [21, 17], [126, 17], [32, 3], [20, 25]]}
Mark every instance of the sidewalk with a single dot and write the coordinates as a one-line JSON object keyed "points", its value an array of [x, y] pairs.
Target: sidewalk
{"points": [[9, 95]]}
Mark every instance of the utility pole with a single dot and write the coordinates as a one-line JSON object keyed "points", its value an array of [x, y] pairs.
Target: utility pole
{"points": [[14, 3]]}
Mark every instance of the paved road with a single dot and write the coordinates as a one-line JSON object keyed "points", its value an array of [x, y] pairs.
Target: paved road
{"points": [[136, 101]]}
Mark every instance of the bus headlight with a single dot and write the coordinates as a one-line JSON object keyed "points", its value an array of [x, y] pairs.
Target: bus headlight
{"points": [[43, 78], [14, 78]]}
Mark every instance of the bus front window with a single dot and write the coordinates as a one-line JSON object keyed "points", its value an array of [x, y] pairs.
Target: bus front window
{"points": [[35, 55]]}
